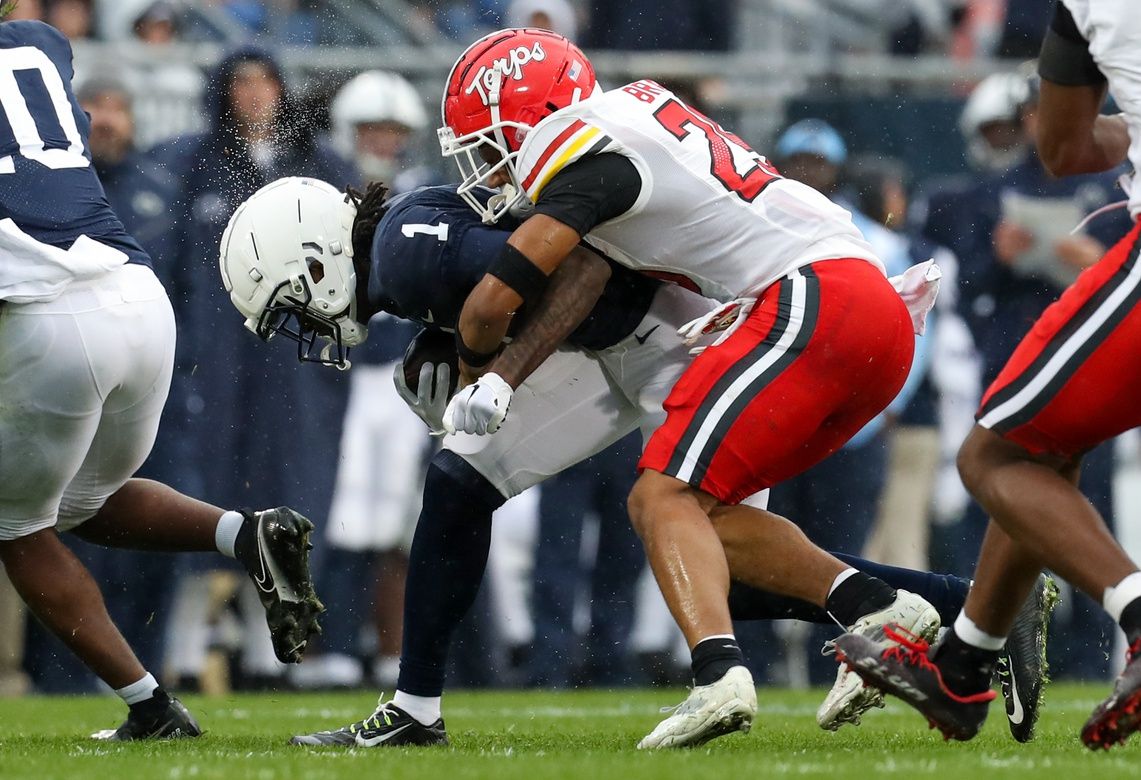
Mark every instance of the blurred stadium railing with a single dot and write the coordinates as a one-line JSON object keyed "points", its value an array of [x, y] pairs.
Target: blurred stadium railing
{"points": [[756, 92]]}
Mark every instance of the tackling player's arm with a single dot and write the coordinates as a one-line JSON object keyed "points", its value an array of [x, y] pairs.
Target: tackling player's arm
{"points": [[585, 193], [574, 289], [1073, 137]]}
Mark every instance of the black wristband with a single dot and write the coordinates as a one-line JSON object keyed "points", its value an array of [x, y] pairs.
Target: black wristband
{"points": [[516, 270], [470, 356]]}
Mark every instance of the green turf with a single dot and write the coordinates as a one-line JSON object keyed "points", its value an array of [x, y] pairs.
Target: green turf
{"points": [[582, 736]]}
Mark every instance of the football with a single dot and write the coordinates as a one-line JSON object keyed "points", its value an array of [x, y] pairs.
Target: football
{"points": [[431, 346]]}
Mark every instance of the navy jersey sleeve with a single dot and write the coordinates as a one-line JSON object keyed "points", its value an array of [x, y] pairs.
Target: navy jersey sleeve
{"points": [[429, 252]]}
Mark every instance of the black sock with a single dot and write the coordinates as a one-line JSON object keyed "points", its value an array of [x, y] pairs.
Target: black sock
{"points": [[445, 568], [713, 657], [966, 669], [1131, 621], [858, 595], [246, 542]]}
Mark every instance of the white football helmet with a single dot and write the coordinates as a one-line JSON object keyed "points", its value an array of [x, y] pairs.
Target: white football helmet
{"points": [[287, 262], [997, 98], [374, 96]]}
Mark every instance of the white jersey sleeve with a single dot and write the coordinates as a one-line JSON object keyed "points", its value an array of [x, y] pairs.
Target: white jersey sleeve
{"points": [[712, 214]]}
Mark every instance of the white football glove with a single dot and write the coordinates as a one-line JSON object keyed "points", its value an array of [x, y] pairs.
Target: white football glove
{"points": [[432, 399], [479, 408], [724, 319]]}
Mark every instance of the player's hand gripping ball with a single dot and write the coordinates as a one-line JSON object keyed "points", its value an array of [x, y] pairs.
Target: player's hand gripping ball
{"points": [[428, 376], [435, 347]]}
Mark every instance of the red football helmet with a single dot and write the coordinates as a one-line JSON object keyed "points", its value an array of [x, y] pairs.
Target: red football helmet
{"points": [[500, 88]]}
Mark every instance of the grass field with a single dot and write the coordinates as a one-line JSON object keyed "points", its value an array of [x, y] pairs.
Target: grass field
{"points": [[538, 735]]}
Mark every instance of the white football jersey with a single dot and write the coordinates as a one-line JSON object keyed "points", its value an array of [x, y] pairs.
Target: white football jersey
{"points": [[1113, 29], [712, 215]]}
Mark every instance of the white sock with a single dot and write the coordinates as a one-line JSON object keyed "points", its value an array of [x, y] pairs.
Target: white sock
{"points": [[226, 532], [974, 636], [425, 709], [841, 577], [1117, 597], [138, 691]]}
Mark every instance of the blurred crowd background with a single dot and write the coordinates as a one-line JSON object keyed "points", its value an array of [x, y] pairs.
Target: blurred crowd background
{"points": [[918, 115]]}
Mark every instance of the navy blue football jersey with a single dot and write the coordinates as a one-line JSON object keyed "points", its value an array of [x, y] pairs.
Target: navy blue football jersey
{"points": [[47, 184], [431, 249]]}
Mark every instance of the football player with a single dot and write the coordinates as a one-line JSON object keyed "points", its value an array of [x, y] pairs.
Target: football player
{"points": [[86, 353], [318, 278], [820, 340], [1070, 384]]}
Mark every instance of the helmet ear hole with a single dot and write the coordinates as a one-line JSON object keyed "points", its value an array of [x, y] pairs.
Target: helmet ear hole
{"points": [[316, 270]]}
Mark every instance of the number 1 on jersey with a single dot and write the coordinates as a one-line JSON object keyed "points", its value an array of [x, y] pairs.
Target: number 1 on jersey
{"points": [[439, 230], [679, 119]]}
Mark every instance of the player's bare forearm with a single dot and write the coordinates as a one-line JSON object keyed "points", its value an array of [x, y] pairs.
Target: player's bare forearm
{"points": [[488, 310], [570, 296], [1073, 137], [484, 320]]}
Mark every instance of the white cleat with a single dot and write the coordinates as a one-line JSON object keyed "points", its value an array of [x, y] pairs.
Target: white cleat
{"points": [[850, 698], [721, 707]]}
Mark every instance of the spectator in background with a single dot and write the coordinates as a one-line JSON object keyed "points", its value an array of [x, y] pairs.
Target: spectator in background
{"points": [[555, 15], [157, 25], [696, 25], [73, 18], [280, 446], [141, 193], [173, 86], [950, 211], [377, 116]]}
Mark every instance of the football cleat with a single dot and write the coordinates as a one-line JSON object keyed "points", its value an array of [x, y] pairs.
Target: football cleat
{"points": [[710, 711], [1120, 715], [903, 668], [279, 566], [850, 698], [1022, 669], [388, 726], [160, 717]]}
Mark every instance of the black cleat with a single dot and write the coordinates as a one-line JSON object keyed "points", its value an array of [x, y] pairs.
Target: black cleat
{"points": [[1022, 669], [160, 717], [389, 726], [1120, 715], [904, 670], [276, 557]]}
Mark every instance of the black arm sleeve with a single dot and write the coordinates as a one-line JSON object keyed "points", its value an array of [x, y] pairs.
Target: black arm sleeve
{"points": [[1065, 59], [590, 191]]}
